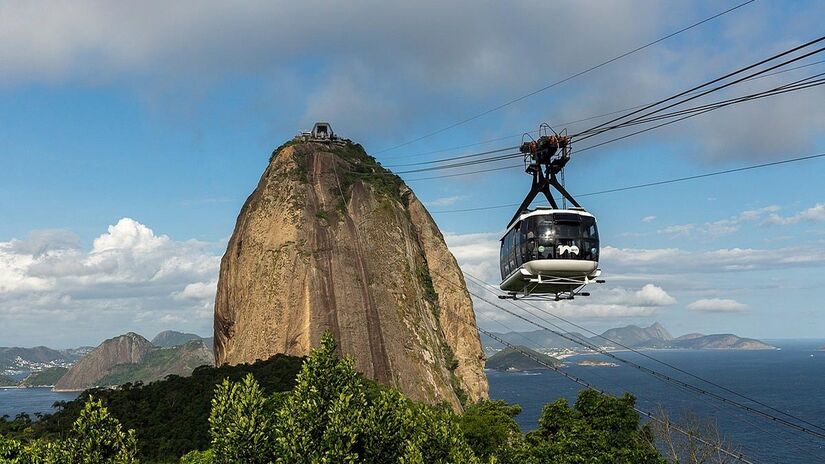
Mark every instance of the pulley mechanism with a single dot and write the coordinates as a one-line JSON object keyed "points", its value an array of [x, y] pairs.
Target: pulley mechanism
{"points": [[544, 158]]}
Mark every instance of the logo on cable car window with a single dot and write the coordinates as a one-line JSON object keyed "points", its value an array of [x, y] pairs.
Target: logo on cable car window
{"points": [[572, 249]]}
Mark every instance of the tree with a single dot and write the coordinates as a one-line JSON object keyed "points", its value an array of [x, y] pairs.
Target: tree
{"points": [[597, 429], [696, 442], [321, 418], [332, 415], [491, 430], [96, 438], [240, 423], [198, 457]]}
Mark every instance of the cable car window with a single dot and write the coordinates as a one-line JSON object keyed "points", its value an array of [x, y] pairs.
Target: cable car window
{"points": [[567, 230]]}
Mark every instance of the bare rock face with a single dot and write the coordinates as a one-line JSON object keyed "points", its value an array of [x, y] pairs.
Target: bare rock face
{"points": [[329, 240], [130, 348]]}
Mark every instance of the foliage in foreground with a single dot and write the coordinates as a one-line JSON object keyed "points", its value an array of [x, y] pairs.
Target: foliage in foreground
{"points": [[170, 417], [95, 438], [333, 415]]}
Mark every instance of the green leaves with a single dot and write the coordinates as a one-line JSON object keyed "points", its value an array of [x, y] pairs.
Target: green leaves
{"points": [[240, 423], [95, 438], [332, 416], [597, 429]]}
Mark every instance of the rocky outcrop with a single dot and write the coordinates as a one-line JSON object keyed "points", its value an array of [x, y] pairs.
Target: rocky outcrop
{"points": [[126, 349], [329, 240]]}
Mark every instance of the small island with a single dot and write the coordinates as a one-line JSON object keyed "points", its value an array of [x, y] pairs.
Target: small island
{"points": [[520, 359]]}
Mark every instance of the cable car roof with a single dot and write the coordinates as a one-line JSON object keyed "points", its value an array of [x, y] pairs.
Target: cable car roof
{"points": [[546, 211]]}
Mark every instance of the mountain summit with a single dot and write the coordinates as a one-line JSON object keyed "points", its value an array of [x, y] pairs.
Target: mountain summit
{"points": [[330, 240]]}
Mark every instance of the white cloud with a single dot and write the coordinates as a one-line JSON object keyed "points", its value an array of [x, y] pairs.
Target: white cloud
{"points": [[676, 261], [198, 291], [717, 305], [681, 230], [722, 226], [813, 214], [130, 279], [648, 219], [446, 201]]}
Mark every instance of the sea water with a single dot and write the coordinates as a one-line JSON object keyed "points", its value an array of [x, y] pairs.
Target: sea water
{"points": [[791, 379], [14, 401]]}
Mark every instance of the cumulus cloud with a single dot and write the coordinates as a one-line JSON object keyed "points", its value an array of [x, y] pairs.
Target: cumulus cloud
{"points": [[130, 279], [204, 291], [648, 219], [717, 305]]}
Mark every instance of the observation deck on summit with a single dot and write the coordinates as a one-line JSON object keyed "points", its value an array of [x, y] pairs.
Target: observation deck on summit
{"points": [[322, 133]]}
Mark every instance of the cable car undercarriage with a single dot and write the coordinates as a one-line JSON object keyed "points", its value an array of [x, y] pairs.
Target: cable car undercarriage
{"points": [[549, 253]]}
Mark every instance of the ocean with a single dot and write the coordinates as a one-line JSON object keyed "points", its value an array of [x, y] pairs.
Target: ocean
{"points": [[791, 379], [13, 401]]}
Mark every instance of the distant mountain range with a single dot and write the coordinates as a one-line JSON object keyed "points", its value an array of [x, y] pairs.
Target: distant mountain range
{"points": [[632, 336], [15, 360], [126, 358]]}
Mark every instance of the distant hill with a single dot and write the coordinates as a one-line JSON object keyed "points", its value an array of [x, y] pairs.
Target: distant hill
{"points": [[654, 336], [37, 358], [721, 341], [633, 335], [6, 381], [132, 358], [44, 378], [169, 338], [125, 349], [512, 359], [161, 362]]}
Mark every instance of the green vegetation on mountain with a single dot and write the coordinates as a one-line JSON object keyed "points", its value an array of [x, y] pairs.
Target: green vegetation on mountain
{"points": [[45, 378], [514, 359]]}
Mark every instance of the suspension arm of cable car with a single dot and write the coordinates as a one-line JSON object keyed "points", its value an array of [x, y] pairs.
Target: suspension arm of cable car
{"points": [[549, 251]]}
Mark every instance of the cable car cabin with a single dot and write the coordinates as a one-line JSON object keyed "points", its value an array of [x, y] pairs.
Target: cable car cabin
{"points": [[550, 251]]}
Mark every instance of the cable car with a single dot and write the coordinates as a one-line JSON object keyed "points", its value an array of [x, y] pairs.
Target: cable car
{"points": [[549, 251]]}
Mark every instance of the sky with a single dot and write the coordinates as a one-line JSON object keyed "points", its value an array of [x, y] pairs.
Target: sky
{"points": [[132, 132]]}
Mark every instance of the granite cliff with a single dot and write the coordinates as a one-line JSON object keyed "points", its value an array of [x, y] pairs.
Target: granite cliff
{"points": [[330, 240]]}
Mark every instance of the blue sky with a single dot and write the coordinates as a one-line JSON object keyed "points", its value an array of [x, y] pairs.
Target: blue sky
{"points": [[132, 134]]}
